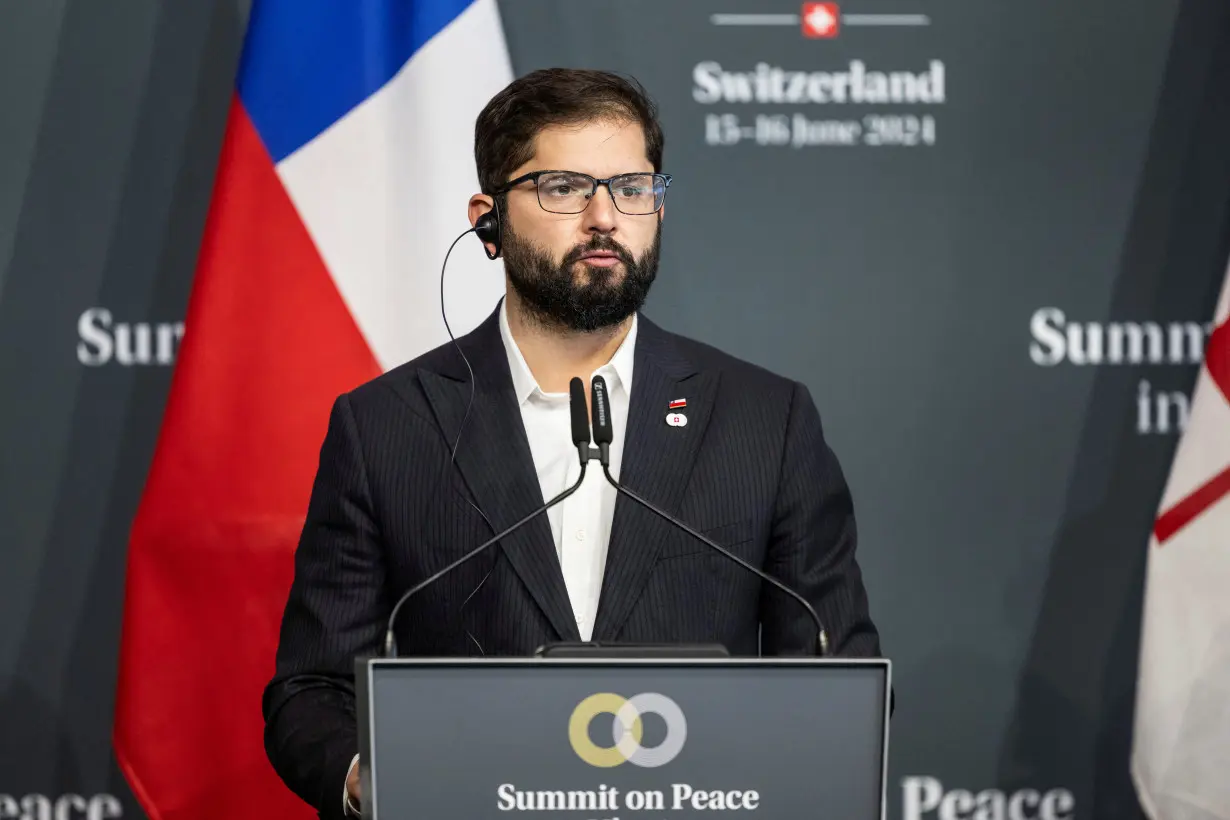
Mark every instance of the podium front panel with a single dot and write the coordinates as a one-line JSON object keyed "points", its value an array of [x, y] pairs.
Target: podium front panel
{"points": [[761, 739]]}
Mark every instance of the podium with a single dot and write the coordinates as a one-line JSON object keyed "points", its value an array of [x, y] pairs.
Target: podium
{"points": [[600, 738]]}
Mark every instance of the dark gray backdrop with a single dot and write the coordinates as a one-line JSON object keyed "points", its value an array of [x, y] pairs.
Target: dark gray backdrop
{"points": [[1078, 165]]}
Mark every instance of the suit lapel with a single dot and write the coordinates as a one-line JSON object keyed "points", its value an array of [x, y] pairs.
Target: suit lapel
{"points": [[657, 462], [495, 462]]}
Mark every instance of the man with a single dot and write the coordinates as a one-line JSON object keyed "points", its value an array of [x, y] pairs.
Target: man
{"points": [[427, 461]]}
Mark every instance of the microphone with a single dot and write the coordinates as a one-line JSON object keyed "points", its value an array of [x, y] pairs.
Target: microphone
{"points": [[603, 436], [580, 421], [580, 437]]}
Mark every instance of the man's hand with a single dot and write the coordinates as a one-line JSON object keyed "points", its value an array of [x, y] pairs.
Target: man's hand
{"points": [[352, 784]]}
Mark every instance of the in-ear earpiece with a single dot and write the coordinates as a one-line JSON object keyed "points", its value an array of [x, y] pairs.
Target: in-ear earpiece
{"points": [[489, 230]]}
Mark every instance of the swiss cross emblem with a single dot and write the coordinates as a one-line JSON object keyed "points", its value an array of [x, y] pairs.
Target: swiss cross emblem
{"points": [[820, 20]]}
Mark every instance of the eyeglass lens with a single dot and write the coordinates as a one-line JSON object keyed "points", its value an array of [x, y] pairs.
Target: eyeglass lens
{"points": [[567, 193]]}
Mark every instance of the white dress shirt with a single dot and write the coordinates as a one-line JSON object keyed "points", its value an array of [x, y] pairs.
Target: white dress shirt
{"points": [[581, 523]]}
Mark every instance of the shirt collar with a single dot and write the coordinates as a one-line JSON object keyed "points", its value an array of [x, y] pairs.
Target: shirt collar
{"points": [[617, 372]]}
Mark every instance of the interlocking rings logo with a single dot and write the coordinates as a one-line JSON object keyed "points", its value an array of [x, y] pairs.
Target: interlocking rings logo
{"points": [[627, 730]]}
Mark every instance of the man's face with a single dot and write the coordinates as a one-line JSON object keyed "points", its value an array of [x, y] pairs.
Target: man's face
{"points": [[589, 270]]}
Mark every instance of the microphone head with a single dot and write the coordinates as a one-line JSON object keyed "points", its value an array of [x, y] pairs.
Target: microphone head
{"points": [[601, 408], [576, 404]]}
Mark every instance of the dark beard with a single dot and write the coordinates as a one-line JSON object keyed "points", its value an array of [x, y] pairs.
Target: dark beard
{"points": [[551, 295]]}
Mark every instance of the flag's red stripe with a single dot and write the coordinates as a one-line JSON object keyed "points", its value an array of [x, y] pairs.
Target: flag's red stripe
{"points": [[1183, 513], [268, 346]]}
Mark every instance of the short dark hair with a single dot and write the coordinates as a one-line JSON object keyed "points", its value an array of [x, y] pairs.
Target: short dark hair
{"points": [[506, 128]]}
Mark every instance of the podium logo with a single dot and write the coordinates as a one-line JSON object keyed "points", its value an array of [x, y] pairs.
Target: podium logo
{"points": [[627, 729]]}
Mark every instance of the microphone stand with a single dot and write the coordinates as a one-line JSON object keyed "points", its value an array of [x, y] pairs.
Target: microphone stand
{"points": [[390, 642], [603, 435], [580, 437]]}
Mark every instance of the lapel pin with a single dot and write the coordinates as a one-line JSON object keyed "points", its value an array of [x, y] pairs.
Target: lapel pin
{"points": [[675, 418]]}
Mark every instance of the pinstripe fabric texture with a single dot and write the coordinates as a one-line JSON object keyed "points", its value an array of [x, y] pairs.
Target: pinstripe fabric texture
{"points": [[751, 469]]}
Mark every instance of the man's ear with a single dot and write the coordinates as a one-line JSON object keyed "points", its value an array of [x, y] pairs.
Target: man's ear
{"points": [[484, 214]]}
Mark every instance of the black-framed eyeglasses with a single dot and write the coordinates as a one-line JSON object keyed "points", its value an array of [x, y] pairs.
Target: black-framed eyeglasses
{"points": [[570, 192]]}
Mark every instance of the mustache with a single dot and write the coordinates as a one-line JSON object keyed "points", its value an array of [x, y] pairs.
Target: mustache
{"points": [[600, 243]]}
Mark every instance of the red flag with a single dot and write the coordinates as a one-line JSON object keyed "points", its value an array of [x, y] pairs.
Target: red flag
{"points": [[318, 269], [268, 346]]}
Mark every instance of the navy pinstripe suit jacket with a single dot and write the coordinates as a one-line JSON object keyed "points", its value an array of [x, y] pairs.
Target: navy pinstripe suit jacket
{"points": [[751, 469]]}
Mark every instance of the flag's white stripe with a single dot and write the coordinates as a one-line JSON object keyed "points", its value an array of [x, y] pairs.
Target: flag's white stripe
{"points": [[383, 192], [1182, 726], [1200, 458]]}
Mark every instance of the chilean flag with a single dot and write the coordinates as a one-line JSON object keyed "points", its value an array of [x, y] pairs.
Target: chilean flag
{"points": [[1181, 739], [344, 175]]}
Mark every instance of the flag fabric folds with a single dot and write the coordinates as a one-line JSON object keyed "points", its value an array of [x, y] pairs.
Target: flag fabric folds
{"points": [[1181, 744], [344, 175]]}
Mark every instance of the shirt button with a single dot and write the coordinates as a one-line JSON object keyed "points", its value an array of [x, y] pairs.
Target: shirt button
{"points": [[580, 535]]}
